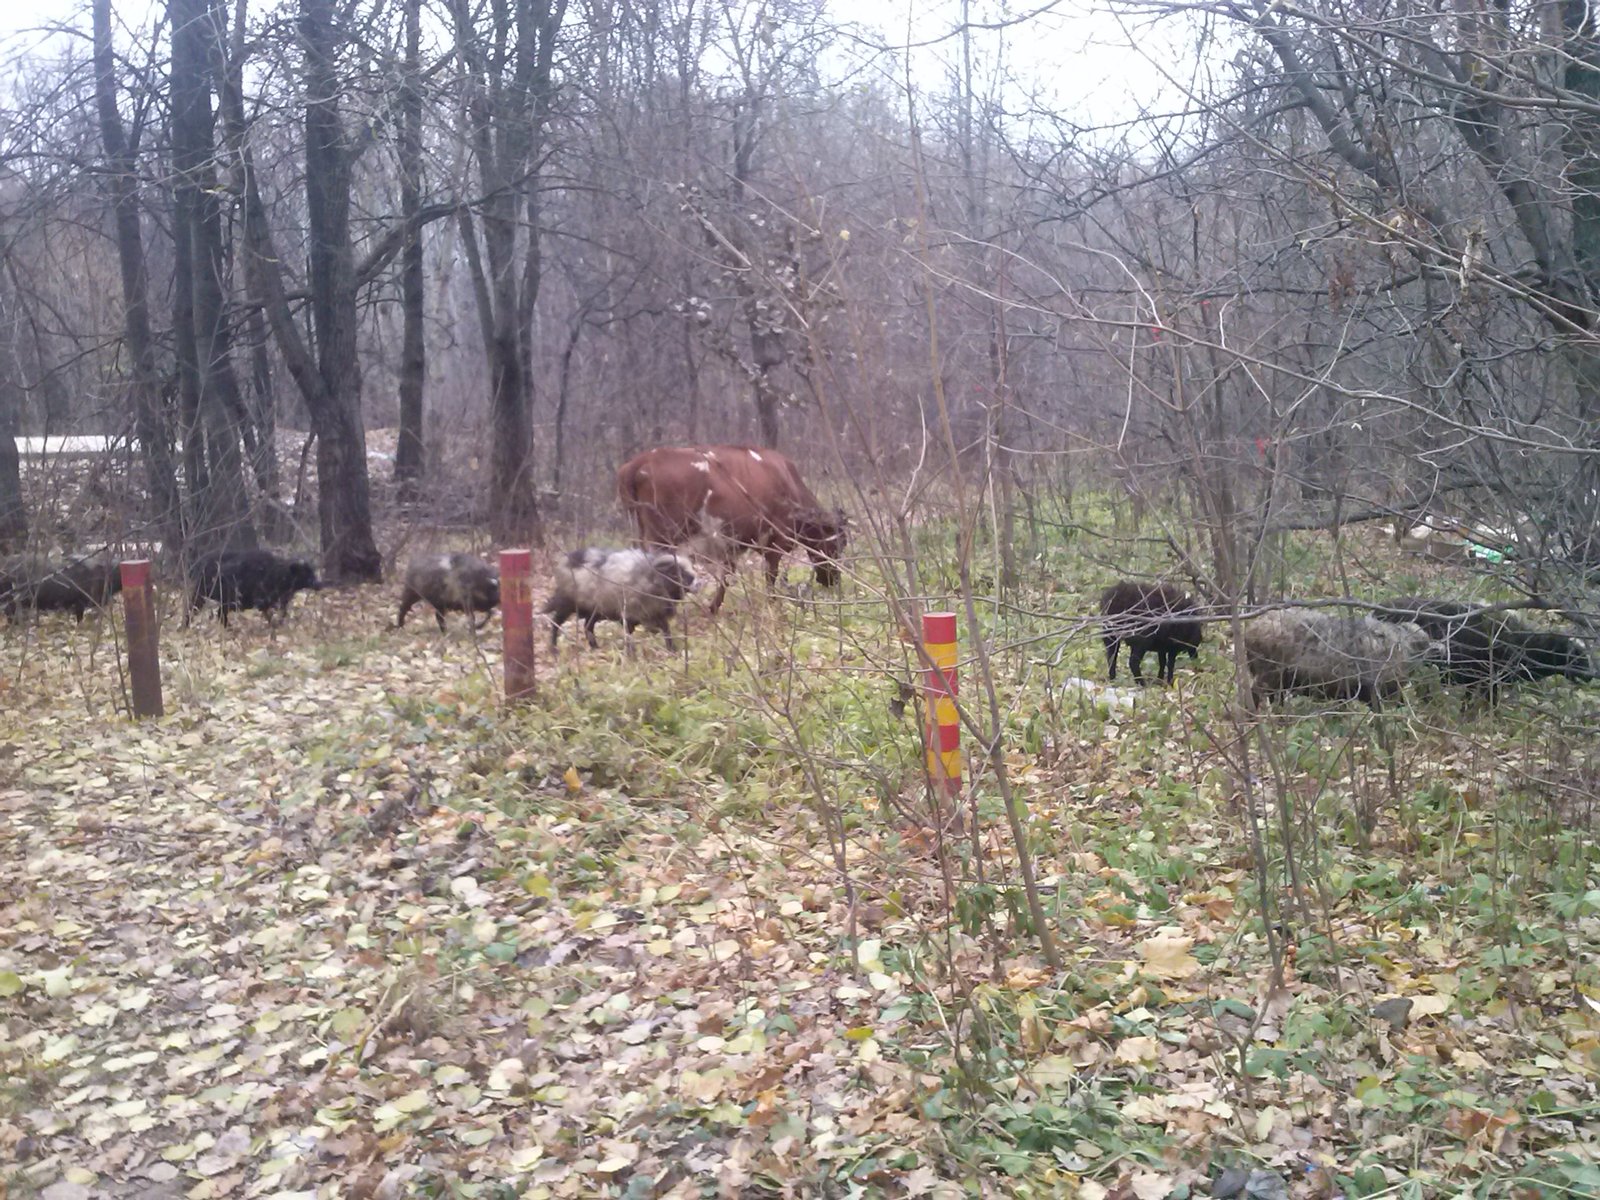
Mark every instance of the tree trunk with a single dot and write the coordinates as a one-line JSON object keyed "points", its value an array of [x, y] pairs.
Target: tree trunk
{"points": [[13, 515], [349, 552], [258, 417], [1583, 139], [507, 77], [186, 356], [144, 388], [410, 456], [220, 505], [562, 391], [263, 415]]}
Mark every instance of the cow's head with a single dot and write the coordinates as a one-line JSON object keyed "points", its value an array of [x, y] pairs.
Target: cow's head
{"points": [[823, 535]]}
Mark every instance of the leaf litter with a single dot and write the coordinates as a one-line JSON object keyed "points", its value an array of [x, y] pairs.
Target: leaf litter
{"points": [[333, 929]]}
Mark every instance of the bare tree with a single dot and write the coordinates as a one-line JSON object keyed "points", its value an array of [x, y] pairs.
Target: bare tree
{"points": [[13, 514], [409, 459], [507, 101], [212, 404], [144, 385]]}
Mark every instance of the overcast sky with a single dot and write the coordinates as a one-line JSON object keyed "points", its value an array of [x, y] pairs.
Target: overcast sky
{"points": [[1087, 61]]}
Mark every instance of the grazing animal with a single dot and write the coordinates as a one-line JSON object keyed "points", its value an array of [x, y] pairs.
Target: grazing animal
{"points": [[634, 587], [1301, 651], [461, 583], [1149, 617], [1487, 650], [43, 586], [724, 500], [17, 575], [245, 579]]}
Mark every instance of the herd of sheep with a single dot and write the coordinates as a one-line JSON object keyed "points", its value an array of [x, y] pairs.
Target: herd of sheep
{"points": [[1288, 651], [1368, 657], [633, 587]]}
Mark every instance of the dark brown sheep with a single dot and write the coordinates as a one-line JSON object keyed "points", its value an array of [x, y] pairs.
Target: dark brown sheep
{"points": [[1149, 617]]}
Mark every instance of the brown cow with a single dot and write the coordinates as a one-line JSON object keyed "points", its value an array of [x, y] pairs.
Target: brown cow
{"points": [[725, 500]]}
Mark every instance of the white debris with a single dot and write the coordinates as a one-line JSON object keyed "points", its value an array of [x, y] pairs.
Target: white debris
{"points": [[1105, 699]]}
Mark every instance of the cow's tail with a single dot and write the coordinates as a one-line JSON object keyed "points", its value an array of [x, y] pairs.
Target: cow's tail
{"points": [[628, 495]]}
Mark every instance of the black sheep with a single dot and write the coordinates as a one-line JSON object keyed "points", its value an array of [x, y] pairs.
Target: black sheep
{"points": [[1149, 616], [1486, 650], [244, 579], [15, 591], [43, 586]]}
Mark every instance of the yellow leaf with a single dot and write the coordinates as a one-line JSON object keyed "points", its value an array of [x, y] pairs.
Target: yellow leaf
{"points": [[413, 1101], [525, 1157], [1147, 1185], [1022, 979], [1166, 955], [1138, 1050], [1055, 1069], [574, 783], [1429, 1006], [704, 1088]]}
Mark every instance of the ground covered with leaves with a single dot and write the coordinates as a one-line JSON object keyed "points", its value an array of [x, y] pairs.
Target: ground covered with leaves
{"points": [[343, 924]]}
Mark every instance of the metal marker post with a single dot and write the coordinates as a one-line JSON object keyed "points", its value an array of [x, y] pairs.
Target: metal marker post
{"points": [[939, 688], [516, 621], [139, 620]]}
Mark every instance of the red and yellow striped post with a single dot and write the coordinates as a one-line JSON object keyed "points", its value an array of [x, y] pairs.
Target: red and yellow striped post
{"points": [[939, 689], [516, 621]]}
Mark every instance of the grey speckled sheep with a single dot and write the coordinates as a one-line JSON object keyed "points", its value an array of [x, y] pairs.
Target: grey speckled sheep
{"points": [[461, 583], [1308, 652], [635, 587]]}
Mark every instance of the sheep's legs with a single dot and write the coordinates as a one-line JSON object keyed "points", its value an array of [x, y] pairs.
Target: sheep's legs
{"points": [[588, 629], [1112, 646], [558, 615], [1136, 664]]}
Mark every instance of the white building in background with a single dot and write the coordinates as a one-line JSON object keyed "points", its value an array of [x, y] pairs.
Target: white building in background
{"points": [[70, 445]]}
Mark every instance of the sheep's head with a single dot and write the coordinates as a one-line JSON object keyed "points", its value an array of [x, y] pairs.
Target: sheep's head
{"points": [[1413, 640], [488, 593], [1549, 654], [675, 577], [301, 576], [1187, 634]]}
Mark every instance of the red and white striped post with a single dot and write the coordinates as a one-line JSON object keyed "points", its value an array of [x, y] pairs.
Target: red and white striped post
{"points": [[139, 621], [516, 621], [939, 689]]}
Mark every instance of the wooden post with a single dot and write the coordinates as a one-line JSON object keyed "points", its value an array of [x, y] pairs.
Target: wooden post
{"points": [[516, 621], [139, 620], [939, 689]]}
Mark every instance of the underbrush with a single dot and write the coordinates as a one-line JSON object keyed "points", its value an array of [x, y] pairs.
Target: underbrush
{"points": [[1239, 900]]}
